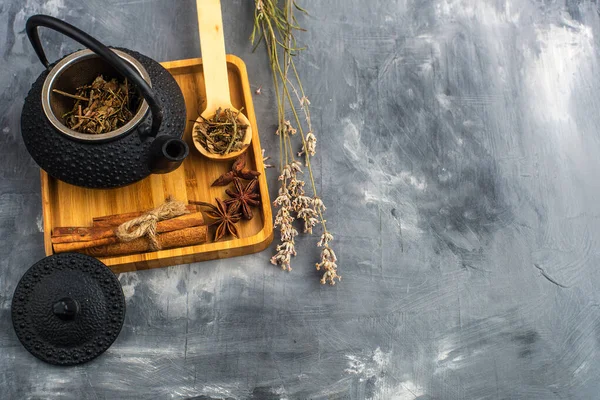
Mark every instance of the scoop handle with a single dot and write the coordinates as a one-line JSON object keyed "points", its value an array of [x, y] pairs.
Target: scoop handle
{"points": [[101, 50], [212, 46]]}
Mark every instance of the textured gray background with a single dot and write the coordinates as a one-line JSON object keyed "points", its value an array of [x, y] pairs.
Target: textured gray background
{"points": [[459, 157]]}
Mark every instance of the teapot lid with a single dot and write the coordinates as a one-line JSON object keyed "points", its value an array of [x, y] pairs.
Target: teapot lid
{"points": [[68, 309]]}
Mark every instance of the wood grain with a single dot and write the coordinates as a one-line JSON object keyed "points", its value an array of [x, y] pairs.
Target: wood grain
{"points": [[67, 205]]}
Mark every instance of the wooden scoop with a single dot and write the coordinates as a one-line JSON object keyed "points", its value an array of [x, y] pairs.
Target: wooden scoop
{"points": [[212, 45]]}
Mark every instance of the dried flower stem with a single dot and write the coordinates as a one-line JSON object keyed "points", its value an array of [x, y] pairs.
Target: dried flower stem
{"points": [[275, 24]]}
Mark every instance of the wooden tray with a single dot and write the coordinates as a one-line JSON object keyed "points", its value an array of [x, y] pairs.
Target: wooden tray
{"points": [[67, 205]]}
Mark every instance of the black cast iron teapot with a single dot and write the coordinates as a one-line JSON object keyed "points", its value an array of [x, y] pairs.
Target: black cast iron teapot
{"points": [[148, 143]]}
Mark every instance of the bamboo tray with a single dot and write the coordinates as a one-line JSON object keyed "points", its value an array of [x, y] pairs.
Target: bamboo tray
{"points": [[67, 205]]}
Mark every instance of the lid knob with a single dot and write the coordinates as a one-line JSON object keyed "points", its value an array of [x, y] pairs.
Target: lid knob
{"points": [[66, 308]]}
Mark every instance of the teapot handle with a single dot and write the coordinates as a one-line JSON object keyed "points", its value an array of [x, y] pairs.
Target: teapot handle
{"points": [[101, 50]]}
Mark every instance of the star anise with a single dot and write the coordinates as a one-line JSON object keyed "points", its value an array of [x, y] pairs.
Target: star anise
{"points": [[243, 197], [224, 217], [238, 170], [224, 179]]}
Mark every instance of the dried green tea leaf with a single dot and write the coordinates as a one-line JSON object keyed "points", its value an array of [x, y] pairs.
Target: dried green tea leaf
{"points": [[221, 134], [101, 106]]}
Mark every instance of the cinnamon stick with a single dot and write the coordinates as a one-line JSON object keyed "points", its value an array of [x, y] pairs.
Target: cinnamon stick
{"points": [[93, 237], [67, 234], [109, 221], [76, 246], [178, 238]]}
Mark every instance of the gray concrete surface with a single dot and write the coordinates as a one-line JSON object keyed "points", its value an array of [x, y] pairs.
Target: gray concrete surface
{"points": [[459, 159]]}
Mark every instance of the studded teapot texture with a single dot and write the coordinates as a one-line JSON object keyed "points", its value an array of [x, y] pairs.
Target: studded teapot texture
{"points": [[97, 323], [115, 163]]}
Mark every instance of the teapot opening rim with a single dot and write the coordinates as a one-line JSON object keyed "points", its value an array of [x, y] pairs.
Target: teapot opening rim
{"points": [[69, 61]]}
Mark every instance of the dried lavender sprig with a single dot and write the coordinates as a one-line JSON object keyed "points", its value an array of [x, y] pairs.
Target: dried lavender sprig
{"points": [[272, 20]]}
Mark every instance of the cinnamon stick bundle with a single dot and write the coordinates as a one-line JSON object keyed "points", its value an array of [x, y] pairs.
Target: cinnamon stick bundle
{"points": [[65, 239], [178, 238], [109, 221]]}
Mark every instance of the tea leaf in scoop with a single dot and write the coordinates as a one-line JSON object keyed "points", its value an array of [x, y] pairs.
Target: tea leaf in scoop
{"points": [[221, 134]]}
